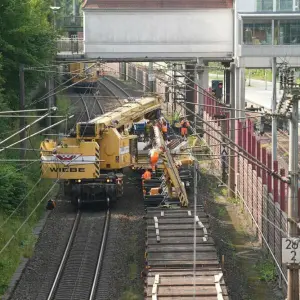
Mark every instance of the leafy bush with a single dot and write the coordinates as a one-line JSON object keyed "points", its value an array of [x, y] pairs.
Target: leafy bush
{"points": [[13, 188]]}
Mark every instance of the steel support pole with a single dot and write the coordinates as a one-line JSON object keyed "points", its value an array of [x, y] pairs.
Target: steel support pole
{"points": [[223, 146], [274, 119], [199, 80], [22, 107], [150, 77], [293, 270], [195, 227], [231, 168], [50, 97]]}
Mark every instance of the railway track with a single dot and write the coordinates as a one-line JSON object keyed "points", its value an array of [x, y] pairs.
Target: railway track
{"points": [[108, 95], [80, 267], [85, 106]]}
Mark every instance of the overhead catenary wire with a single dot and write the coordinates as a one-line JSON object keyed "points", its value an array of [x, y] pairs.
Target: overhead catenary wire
{"points": [[260, 231], [28, 217], [19, 169], [19, 205], [244, 153], [26, 127], [36, 133], [48, 94]]}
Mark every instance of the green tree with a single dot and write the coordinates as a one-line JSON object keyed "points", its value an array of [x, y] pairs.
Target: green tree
{"points": [[26, 37]]}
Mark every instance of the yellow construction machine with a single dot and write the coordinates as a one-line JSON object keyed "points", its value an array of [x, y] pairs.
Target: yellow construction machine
{"points": [[90, 161]]}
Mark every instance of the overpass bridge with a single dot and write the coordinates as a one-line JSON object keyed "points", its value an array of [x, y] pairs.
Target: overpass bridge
{"points": [[152, 30]]}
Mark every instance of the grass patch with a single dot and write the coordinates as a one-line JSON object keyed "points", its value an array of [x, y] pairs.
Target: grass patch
{"points": [[221, 211], [131, 295], [266, 270]]}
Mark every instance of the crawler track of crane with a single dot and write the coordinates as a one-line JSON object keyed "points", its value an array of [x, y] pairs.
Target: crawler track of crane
{"points": [[80, 267]]}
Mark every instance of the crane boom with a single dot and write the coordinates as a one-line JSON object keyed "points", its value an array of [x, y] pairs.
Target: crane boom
{"points": [[91, 161], [132, 111]]}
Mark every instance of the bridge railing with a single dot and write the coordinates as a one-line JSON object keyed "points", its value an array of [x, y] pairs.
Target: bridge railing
{"points": [[70, 45]]}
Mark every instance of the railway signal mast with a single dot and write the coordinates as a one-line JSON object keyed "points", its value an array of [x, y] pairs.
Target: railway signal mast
{"points": [[290, 245]]}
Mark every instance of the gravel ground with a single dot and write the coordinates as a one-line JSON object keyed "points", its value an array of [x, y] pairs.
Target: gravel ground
{"points": [[39, 273], [124, 254]]}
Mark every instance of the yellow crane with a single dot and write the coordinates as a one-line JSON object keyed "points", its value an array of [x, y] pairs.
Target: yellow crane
{"points": [[90, 163]]}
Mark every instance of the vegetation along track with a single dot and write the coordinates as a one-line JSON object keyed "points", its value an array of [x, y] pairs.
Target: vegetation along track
{"points": [[80, 267]]}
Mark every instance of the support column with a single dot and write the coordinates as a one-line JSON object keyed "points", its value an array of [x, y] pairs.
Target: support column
{"points": [[124, 71], [190, 90], [274, 119], [50, 97], [293, 269], [151, 77], [227, 86], [22, 107], [242, 100], [234, 97]]}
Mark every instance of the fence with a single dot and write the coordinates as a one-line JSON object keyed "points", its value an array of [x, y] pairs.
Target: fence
{"points": [[70, 45], [264, 196]]}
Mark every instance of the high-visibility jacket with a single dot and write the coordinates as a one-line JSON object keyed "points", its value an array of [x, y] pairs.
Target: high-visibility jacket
{"points": [[146, 175], [154, 155], [164, 128], [185, 124]]}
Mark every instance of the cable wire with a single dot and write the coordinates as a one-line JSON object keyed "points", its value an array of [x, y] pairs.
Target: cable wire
{"points": [[26, 220]]}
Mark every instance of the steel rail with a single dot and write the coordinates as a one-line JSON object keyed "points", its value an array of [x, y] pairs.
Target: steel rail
{"points": [[65, 256], [85, 106], [118, 87], [99, 104], [100, 257]]}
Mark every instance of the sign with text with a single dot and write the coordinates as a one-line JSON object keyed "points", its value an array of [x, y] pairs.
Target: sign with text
{"points": [[290, 251]]}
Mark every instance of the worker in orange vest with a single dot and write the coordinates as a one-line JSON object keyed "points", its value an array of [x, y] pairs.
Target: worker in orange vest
{"points": [[147, 175], [154, 156], [164, 129], [184, 127]]}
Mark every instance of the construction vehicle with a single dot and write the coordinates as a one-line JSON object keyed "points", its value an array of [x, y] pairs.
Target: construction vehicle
{"points": [[90, 161]]}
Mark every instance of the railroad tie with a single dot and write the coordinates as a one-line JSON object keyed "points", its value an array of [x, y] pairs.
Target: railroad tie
{"points": [[205, 238], [218, 286], [156, 229], [155, 286]]}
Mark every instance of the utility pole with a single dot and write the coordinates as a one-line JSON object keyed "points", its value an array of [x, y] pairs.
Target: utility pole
{"points": [[231, 167], [293, 269], [274, 119], [22, 107]]}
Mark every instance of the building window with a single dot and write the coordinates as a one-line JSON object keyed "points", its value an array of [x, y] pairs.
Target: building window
{"points": [[287, 32], [257, 32], [284, 5], [264, 5]]}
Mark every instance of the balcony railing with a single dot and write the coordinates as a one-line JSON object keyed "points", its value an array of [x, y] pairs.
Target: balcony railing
{"points": [[70, 22], [70, 45]]}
